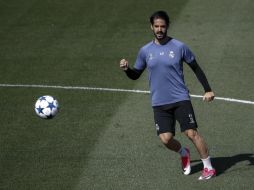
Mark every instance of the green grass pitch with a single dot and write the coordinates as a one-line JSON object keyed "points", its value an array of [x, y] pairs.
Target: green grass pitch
{"points": [[106, 140]]}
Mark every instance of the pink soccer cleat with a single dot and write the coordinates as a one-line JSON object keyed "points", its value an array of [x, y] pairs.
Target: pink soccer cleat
{"points": [[186, 163], [207, 174]]}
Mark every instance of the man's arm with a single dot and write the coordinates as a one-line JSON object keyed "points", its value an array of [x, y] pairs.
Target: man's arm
{"points": [[209, 95], [133, 74]]}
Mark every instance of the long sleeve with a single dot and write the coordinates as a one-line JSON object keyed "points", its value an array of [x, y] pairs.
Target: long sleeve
{"points": [[200, 75], [133, 74]]}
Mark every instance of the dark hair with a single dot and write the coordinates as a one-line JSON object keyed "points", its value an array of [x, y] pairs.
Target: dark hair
{"points": [[160, 14]]}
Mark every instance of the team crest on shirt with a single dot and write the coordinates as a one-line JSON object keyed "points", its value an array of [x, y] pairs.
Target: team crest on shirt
{"points": [[171, 54]]}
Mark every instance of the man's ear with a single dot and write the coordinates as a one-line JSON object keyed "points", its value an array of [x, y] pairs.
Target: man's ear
{"points": [[151, 27]]}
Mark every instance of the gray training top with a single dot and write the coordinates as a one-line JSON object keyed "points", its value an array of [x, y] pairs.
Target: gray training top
{"points": [[165, 70]]}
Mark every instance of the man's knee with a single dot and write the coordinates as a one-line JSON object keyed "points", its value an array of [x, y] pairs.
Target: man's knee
{"points": [[192, 134], [166, 138]]}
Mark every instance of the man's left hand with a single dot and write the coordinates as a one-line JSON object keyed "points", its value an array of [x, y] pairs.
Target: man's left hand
{"points": [[208, 97]]}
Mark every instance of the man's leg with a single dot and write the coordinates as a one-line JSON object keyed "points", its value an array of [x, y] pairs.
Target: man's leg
{"points": [[202, 149], [168, 140], [198, 141], [172, 144], [165, 125], [186, 117]]}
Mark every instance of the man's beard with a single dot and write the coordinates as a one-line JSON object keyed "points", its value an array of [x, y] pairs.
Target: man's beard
{"points": [[160, 35]]}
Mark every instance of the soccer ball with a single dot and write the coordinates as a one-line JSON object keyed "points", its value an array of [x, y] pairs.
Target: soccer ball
{"points": [[46, 107]]}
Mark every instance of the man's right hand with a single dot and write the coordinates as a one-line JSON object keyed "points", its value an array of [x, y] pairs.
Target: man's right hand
{"points": [[124, 64]]}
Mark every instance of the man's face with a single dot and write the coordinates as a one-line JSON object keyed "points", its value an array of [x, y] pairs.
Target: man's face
{"points": [[159, 28]]}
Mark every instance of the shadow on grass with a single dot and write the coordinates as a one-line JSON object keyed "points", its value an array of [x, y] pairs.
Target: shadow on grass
{"points": [[221, 164]]}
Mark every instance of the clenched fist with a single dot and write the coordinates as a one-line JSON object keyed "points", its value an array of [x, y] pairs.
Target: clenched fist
{"points": [[124, 64]]}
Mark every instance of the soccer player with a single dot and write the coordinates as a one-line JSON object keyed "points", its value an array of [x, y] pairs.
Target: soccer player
{"points": [[163, 57]]}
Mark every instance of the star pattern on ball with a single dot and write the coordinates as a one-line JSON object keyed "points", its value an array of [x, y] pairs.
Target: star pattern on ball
{"points": [[43, 98], [39, 109], [51, 105]]}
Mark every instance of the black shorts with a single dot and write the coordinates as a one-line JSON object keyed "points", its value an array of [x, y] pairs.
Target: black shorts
{"points": [[165, 117]]}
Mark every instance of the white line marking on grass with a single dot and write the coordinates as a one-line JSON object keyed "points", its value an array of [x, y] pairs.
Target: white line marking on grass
{"points": [[113, 90]]}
